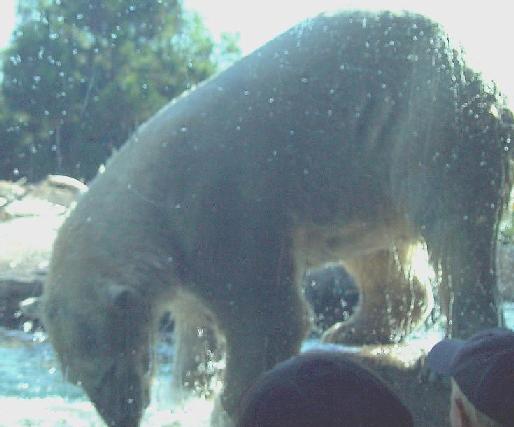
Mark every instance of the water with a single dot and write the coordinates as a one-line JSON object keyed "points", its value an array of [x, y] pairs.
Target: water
{"points": [[34, 393]]}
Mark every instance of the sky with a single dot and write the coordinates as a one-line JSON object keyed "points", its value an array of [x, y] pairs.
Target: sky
{"points": [[483, 28]]}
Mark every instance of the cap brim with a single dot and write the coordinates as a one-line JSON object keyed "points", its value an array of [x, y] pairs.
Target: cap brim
{"points": [[440, 358]]}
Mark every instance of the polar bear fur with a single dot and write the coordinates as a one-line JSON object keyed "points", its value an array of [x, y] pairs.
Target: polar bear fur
{"points": [[349, 138]]}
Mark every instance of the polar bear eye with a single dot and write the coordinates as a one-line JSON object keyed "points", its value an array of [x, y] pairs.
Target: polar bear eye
{"points": [[89, 337], [89, 343]]}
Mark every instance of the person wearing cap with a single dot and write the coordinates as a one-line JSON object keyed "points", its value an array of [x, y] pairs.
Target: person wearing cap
{"points": [[321, 389], [482, 376]]}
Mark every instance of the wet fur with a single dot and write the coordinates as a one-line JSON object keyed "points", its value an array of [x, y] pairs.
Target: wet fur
{"points": [[349, 137]]}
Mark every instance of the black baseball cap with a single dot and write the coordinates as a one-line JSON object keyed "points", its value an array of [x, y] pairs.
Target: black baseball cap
{"points": [[483, 368], [321, 389]]}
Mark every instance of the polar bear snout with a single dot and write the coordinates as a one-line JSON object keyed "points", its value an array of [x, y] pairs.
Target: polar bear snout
{"points": [[121, 397]]}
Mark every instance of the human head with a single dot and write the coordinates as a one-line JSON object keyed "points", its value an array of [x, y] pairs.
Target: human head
{"points": [[321, 389], [482, 373]]}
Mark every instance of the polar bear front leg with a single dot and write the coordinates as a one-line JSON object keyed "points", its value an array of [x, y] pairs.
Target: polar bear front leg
{"points": [[261, 333]]}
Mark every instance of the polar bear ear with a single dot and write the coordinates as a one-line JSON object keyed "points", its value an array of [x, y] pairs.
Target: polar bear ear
{"points": [[123, 297]]}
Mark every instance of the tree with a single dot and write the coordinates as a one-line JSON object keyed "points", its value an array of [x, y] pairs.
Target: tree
{"points": [[81, 75]]}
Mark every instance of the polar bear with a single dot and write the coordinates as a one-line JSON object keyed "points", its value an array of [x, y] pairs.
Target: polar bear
{"points": [[351, 137]]}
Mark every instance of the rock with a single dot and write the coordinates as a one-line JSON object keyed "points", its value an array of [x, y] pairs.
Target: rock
{"points": [[9, 192], [30, 215], [401, 367], [332, 293]]}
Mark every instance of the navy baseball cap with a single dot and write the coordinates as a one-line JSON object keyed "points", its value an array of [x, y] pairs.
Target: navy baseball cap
{"points": [[483, 368], [321, 388]]}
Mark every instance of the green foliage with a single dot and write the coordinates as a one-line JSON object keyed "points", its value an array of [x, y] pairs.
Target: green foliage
{"points": [[81, 75]]}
